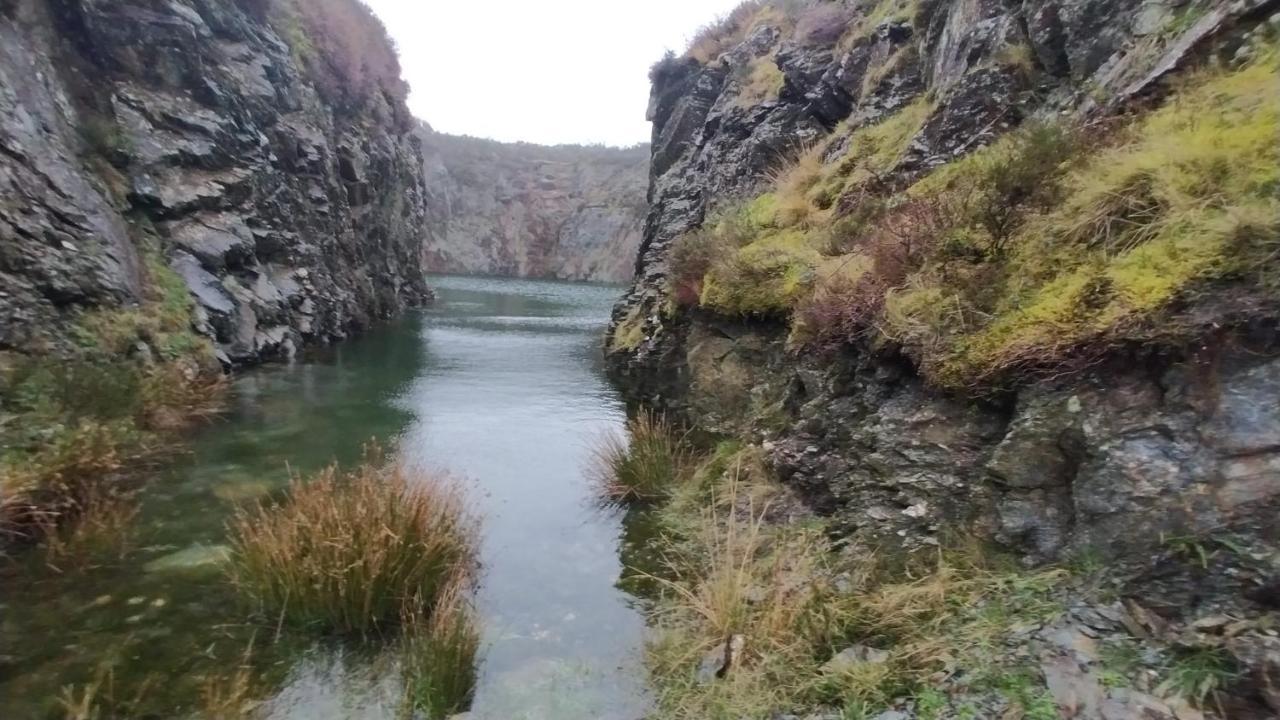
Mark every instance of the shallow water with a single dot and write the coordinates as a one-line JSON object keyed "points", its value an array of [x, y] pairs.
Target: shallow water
{"points": [[501, 384]]}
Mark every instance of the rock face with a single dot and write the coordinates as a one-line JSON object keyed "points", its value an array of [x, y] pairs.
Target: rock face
{"points": [[1141, 446], [187, 134], [515, 209]]}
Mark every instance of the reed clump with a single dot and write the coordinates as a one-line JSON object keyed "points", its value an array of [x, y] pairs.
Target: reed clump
{"points": [[646, 464], [438, 654], [352, 552]]}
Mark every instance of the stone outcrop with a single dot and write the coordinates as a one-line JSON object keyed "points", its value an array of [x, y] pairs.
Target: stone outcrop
{"points": [[516, 209], [1141, 445], [186, 134]]}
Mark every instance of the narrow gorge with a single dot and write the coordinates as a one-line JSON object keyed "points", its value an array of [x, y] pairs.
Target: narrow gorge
{"points": [[921, 364]]}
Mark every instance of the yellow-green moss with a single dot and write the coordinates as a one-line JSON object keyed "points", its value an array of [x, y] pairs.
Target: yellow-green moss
{"points": [[762, 278], [628, 334], [1189, 196], [762, 82], [874, 150]]}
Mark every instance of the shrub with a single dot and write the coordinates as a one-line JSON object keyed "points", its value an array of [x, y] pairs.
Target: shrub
{"points": [[438, 655], [346, 51], [349, 551], [822, 24], [716, 37], [647, 464]]}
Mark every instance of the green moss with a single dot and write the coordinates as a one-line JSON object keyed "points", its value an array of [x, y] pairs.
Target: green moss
{"points": [[1188, 198], [875, 150], [763, 278]]}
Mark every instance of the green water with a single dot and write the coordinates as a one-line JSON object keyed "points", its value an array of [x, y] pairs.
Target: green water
{"points": [[501, 384]]}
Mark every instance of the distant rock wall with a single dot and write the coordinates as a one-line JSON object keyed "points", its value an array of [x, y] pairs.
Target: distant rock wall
{"points": [[185, 134], [516, 209]]}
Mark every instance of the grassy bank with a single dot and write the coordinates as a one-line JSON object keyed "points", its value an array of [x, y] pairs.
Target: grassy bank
{"points": [[762, 611], [77, 424]]}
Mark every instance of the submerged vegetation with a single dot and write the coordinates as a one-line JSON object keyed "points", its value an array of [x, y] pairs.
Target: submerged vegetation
{"points": [[1028, 253]]}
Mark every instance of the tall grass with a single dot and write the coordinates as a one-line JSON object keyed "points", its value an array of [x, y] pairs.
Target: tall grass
{"points": [[438, 655], [645, 464], [735, 571], [351, 552]]}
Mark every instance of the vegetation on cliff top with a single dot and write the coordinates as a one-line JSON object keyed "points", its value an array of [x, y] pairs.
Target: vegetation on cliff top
{"points": [[1026, 253], [345, 50]]}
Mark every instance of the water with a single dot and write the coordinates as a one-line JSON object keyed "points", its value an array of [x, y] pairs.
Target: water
{"points": [[501, 384]]}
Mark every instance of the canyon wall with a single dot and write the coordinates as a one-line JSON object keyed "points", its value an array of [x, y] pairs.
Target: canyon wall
{"points": [[522, 210], [222, 143], [911, 392]]}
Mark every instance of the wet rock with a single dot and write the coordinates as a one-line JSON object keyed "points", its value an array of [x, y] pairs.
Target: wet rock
{"points": [[200, 128], [720, 660], [196, 558]]}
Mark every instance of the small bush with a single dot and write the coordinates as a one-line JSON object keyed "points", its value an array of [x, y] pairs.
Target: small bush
{"points": [[647, 464], [715, 38], [347, 52], [822, 24], [349, 551], [438, 655]]}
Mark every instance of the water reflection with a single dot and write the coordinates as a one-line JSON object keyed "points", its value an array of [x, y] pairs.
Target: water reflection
{"points": [[501, 383]]}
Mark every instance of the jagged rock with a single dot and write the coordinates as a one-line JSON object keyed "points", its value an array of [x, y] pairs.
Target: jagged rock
{"points": [[1109, 459], [215, 137]]}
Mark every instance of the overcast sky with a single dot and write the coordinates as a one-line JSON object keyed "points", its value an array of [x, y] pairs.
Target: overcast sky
{"points": [[544, 71]]}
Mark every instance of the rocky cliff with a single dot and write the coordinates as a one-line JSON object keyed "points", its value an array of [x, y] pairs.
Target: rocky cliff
{"points": [[991, 269], [523, 210], [222, 142]]}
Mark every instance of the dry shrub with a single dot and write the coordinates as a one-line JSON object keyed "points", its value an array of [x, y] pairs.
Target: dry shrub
{"points": [[347, 51], [844, 306], [646, 464], [716, 37], [350, 551], [822, 24], [691, 258]]}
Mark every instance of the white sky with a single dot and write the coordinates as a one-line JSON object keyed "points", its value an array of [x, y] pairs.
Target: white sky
{"points": [[543, 71]]}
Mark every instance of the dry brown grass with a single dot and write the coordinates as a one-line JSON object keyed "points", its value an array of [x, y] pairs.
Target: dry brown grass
{"points": [[735, 571], [350, 551]]}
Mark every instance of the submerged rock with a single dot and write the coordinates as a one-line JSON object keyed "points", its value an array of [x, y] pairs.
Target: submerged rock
{"points": [[196, 558]]}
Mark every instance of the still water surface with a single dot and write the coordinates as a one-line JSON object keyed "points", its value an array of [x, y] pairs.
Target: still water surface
{"points": [[501, 384]]}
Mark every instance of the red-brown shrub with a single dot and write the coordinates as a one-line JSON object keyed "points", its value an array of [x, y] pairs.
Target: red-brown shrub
{"points": [[841, 307], [822, 24], [347, 51]]}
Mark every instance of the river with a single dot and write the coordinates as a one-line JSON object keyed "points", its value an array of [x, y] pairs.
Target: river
{"points": [[500, 384]]}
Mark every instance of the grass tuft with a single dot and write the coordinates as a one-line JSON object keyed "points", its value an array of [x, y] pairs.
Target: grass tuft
{"points": [[349, 551], [648, 463], [438, 654]]}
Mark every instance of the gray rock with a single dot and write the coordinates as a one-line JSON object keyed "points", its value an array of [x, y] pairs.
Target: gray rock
{"points": [[853, 656], [218, 139]]}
